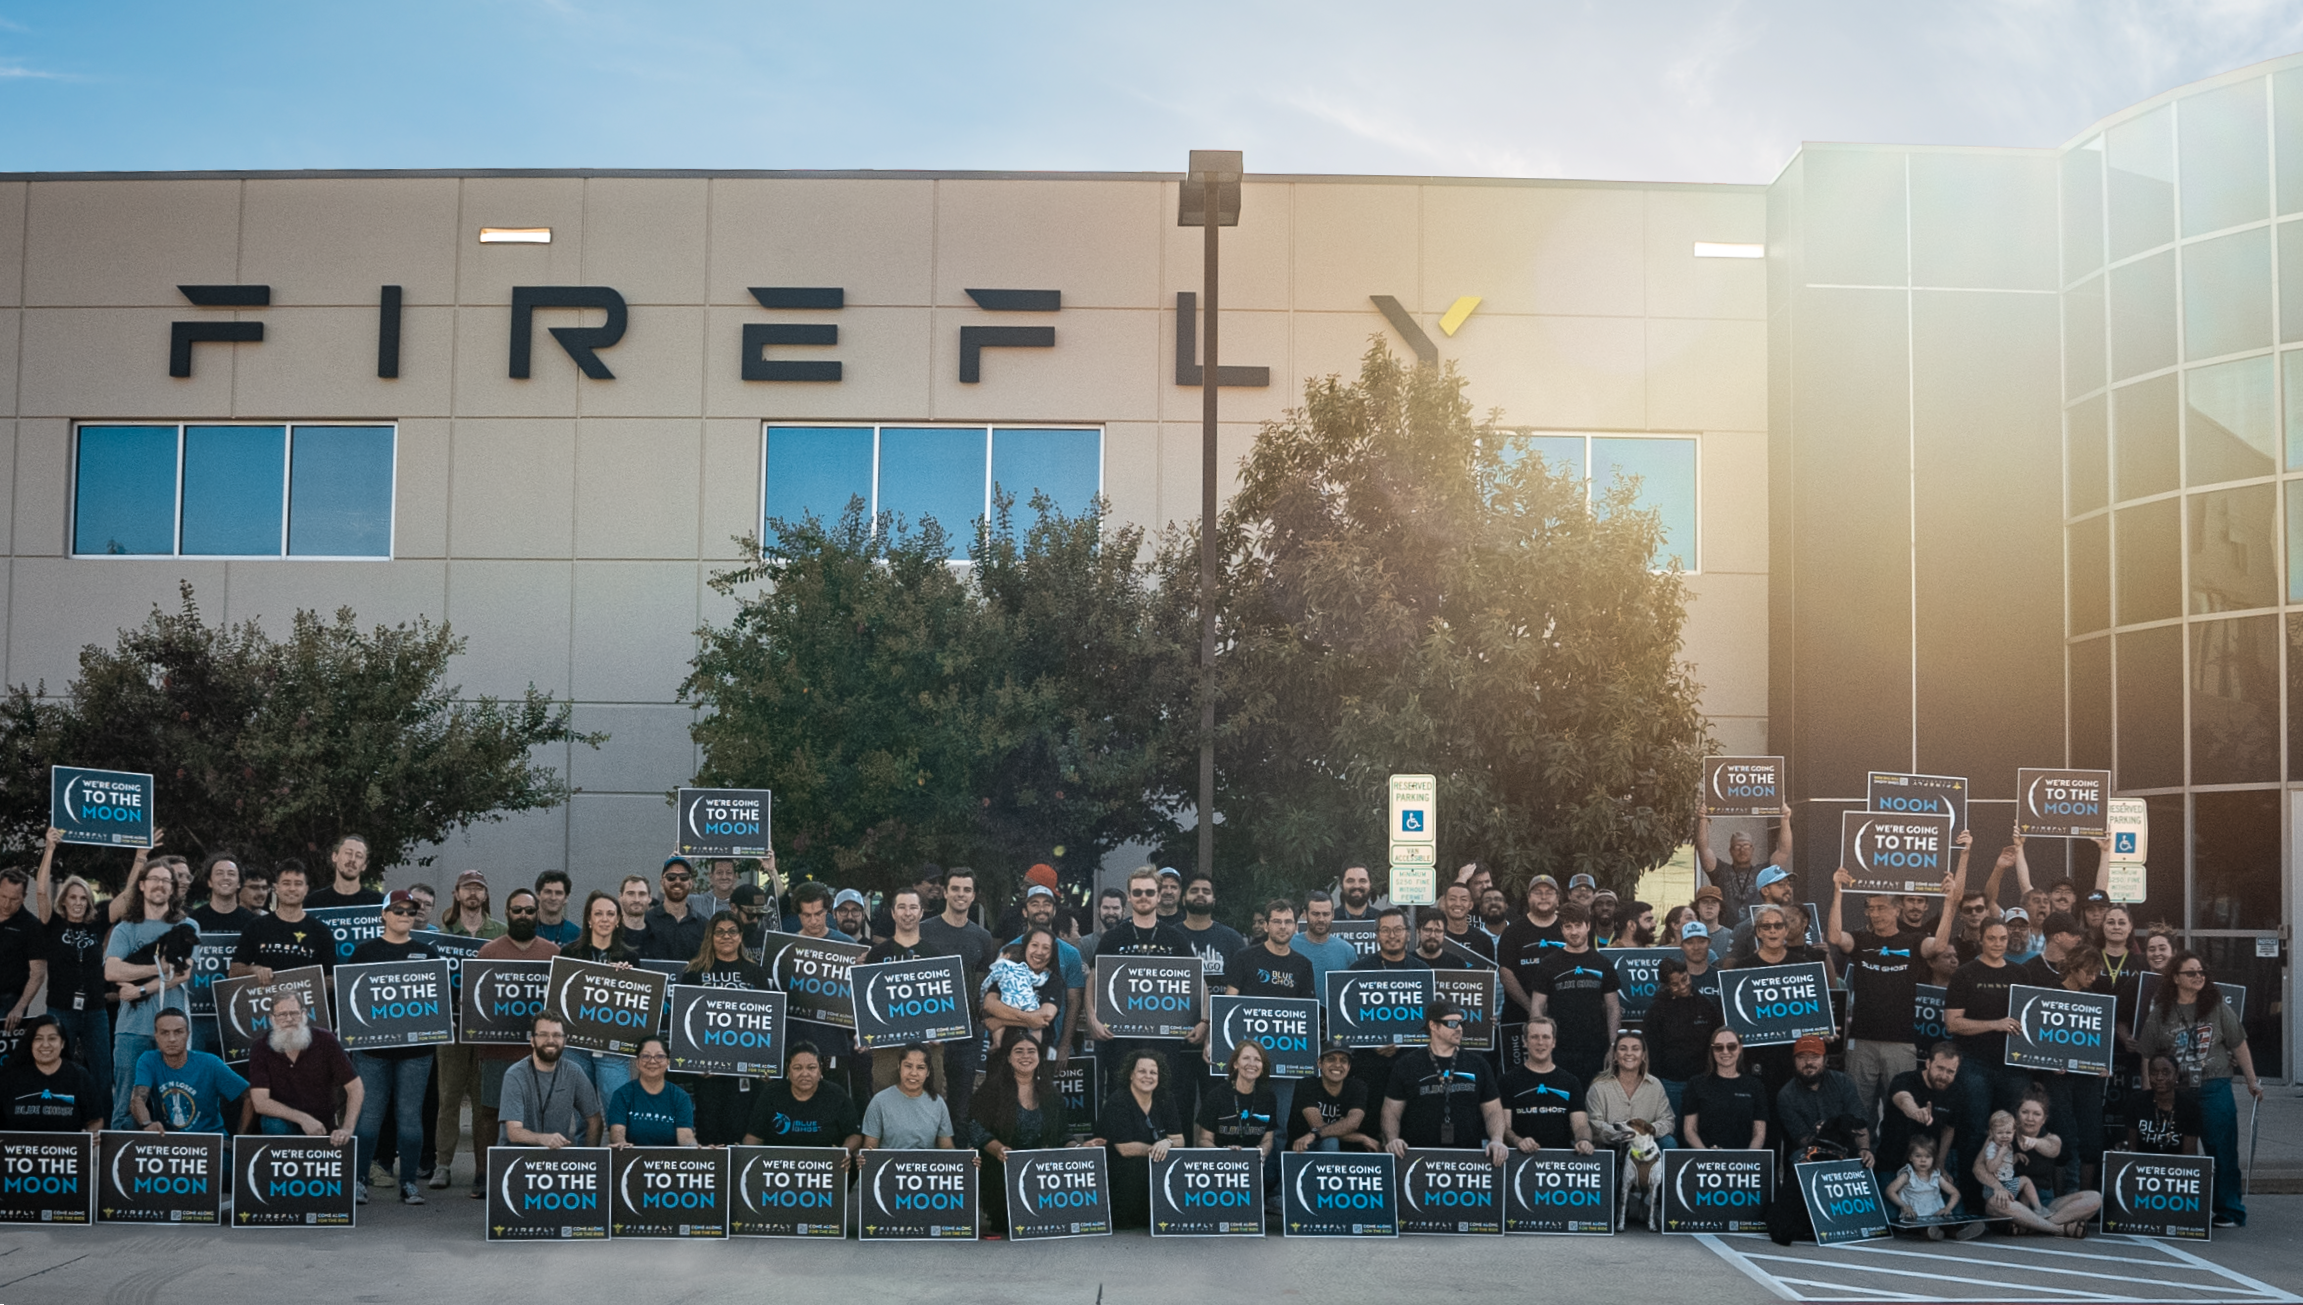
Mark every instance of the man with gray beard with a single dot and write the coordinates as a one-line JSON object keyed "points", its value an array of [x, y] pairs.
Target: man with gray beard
{"points": [[294, 1074]]}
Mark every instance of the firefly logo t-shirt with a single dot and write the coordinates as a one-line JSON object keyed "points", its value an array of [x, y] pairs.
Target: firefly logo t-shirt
{"points": [[276, 944], [1258, 973], [651, 1119]]}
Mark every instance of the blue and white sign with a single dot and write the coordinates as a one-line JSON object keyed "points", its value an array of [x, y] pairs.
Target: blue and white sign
{"points": [[102, 808], [2060, 1030], [716, 822], [1774, 1005]]}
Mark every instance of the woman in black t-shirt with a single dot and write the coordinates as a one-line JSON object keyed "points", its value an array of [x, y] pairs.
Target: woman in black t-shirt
{"points": [[1240, 1114], [41, 1092], [1137, 1125], [1017, 1109], [1726, 1108], [723, 1101], [77, 992]]}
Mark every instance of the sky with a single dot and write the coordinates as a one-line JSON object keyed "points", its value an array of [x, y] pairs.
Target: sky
{"points": [[1647, 90]]}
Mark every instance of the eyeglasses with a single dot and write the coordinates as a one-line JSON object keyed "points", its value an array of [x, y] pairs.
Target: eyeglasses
{"points": [[1143, 892], [727, 931], [2193, 973], [653, 1055], [1451, 1024], [1772, 924], [679, 879], [1718, 1047], [400, 910], [515, 912]]}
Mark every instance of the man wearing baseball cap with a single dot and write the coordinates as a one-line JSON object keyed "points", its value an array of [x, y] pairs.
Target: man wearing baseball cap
{"points": [[1581, 889], [1439, 1097], [851, 915], [1815, 1096], [1708, 904], [1737, 876], [392, 1079], [1523, 943], [675, 929]]}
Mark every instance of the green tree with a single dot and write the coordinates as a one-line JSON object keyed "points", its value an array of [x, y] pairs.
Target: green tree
{"points": [[276, 748], [1403, 594], [904, 709]]}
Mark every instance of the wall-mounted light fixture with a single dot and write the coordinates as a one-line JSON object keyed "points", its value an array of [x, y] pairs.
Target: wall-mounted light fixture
{"points": [[515, 235], [1717, 249]]}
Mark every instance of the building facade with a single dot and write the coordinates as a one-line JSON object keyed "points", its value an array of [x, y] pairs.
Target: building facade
{"points": [[1974, 457]]}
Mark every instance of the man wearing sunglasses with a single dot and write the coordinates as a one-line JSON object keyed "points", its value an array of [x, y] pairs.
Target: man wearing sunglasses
{"points": [[522, 940], [392, 1079], [675, 928], [1143, 933], [1440, 1098]]}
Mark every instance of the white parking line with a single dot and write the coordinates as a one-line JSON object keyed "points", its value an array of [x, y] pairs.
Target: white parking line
{"points": [[2148, 1271]]}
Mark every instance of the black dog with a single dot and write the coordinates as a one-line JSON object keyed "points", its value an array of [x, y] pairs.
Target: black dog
{"points": [[1788, 1219], [171, 950]]}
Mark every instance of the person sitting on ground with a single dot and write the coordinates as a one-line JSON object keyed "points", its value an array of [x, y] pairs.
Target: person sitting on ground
{"points": [[907, 1115], [42, 1092], [2018, 1156], [1136, 1127], [179, 1090], [295, 1072], [803, 1108], [1330, 1113], [1926, 1194], [1628, 1094]]}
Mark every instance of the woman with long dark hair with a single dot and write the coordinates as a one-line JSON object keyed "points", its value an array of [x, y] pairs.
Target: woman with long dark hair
{"points": [[602, 943], [2191, 1024], [1017, 1109]]}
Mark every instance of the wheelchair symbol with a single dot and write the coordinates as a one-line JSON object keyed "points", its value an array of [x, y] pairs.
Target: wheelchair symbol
{"points": [[1411, 822], [2124, 842]]}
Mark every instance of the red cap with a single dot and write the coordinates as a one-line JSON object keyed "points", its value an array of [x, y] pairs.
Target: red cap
{"points": [[1809, 1045], [400, 897], [1042, 874], [471, 877]]}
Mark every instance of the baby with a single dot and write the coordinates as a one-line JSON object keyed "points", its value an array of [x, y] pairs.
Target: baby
{"points": [[1927, 1195], [1995, 1163]]}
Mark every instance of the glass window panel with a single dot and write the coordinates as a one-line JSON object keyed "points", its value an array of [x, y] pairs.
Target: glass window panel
{"points": [[815, 471], [2294, 546], [2143, 438], [2230, 430], [2295, 696], [2227, 294], [340, 492], [124, 490], [2083, 337], [2150, 708], [2091, 704], [2287, 119], [1066, 465], [2087, 455], [2143, 316], [232, 478], [934, 472], [2226, 149], [2235, 865], [2163, 887], [1666, 472], [2090, 542], [2291, 280], [2083, 210], [2232, 543], [2146, 540], [2235, 701], [2142, 183], [1563, 454]]}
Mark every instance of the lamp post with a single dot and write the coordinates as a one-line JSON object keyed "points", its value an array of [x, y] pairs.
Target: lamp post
{"points": [[1208, 199]]}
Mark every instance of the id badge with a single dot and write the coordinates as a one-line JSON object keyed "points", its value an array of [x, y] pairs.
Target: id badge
{"points": [[79, 1001]]}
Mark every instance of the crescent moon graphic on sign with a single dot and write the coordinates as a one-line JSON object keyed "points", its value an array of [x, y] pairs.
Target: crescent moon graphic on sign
{"points": [[2023, 1020], [117, 1185], [688, 1025], [255, 1160], [692, 809], [1407, 1183], [744, 1182], [1168, 1185], [1343, 1001], [1679, 1184], [1111, 988], [629, 1170], [1743, 1002], [563, 1002], [879, 1184], [1860, 831], [1300, 1175], [1716, 772], [69, 785], [353, 998], [2031, 795], [509, 1171]]}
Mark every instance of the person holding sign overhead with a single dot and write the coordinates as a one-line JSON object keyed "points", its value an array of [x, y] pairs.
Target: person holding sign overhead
{"points": [[1886, 963], [1737, 878], [2191, 1024]]}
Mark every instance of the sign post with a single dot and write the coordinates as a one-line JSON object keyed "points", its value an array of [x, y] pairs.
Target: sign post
{"points": [[719, 822], [2130, 823], [1413, 827]]}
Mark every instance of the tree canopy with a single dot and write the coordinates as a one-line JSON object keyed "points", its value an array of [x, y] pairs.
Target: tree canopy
{"points": [[269, 749]]}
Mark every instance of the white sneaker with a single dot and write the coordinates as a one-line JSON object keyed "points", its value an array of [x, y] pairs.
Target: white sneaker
{"points": [[439, 1179]]}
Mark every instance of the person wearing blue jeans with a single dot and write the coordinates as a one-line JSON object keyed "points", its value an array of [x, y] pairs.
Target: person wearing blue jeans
{"points": [[393, 1081], [2189, 1023], [145, 989]]}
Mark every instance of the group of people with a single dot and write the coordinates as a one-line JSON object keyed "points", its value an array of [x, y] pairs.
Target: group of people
{"points": [[1956, 1136]]}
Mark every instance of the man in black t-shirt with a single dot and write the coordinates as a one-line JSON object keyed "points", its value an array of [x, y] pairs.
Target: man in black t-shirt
{"points": [[1144, 933], [349, 861], [286, 939], [1543, 1102], [23, 949], [1455, 912], [1273, 968], [1441, 1098], [1925, 1102], [1524, 941], [222, 912], [955, 933], [1576, 987], [1331, 1113], [1886, 963], [1373, 1065]]}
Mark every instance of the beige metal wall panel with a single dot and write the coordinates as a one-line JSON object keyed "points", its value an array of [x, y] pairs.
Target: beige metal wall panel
{"points": [[1101, 368], [1550, 250], [518, 483], [884, 356], [43, 489], [1726, 623], [1097, 241], [420, 489], [14, 195], [484, 384], [387, 593], [1355, 241], [129, 243], [1248, 338], [1255, 260], [1682, 285], [320, 363], [58, 605], [874, 239], [1569, 373], [1706, 374], [485, 274], [515, 617], [101, 363], [645, 744], [636, 487], [646, 237], [1733, 495], [334, 241], [634, 630], [730, 488], [658, 365]]}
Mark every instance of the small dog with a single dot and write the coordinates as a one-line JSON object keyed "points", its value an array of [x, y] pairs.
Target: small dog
{"points": [[1639, 1193], [1788, 1219], [170, 951]]}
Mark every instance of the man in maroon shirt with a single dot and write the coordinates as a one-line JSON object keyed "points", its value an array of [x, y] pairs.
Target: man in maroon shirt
{"points": [[294, 1074]]}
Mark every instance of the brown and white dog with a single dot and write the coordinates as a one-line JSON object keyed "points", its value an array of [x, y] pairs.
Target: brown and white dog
{"points": [[1642, 1177]]}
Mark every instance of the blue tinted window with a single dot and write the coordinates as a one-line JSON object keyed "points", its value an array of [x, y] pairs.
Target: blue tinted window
{"points": [[816, 469], [124, 490], [1562, 453], [340, 492], [1666, 472], [934, 473], [232, 489], [1067, 465]]}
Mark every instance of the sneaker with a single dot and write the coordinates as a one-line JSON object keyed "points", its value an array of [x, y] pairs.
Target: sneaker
{"points": [[1967, 1232], [409, 1195], [439, 1180], [2226, 1221], [360, 1195], [378, 1175], [1935, 1234]]}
